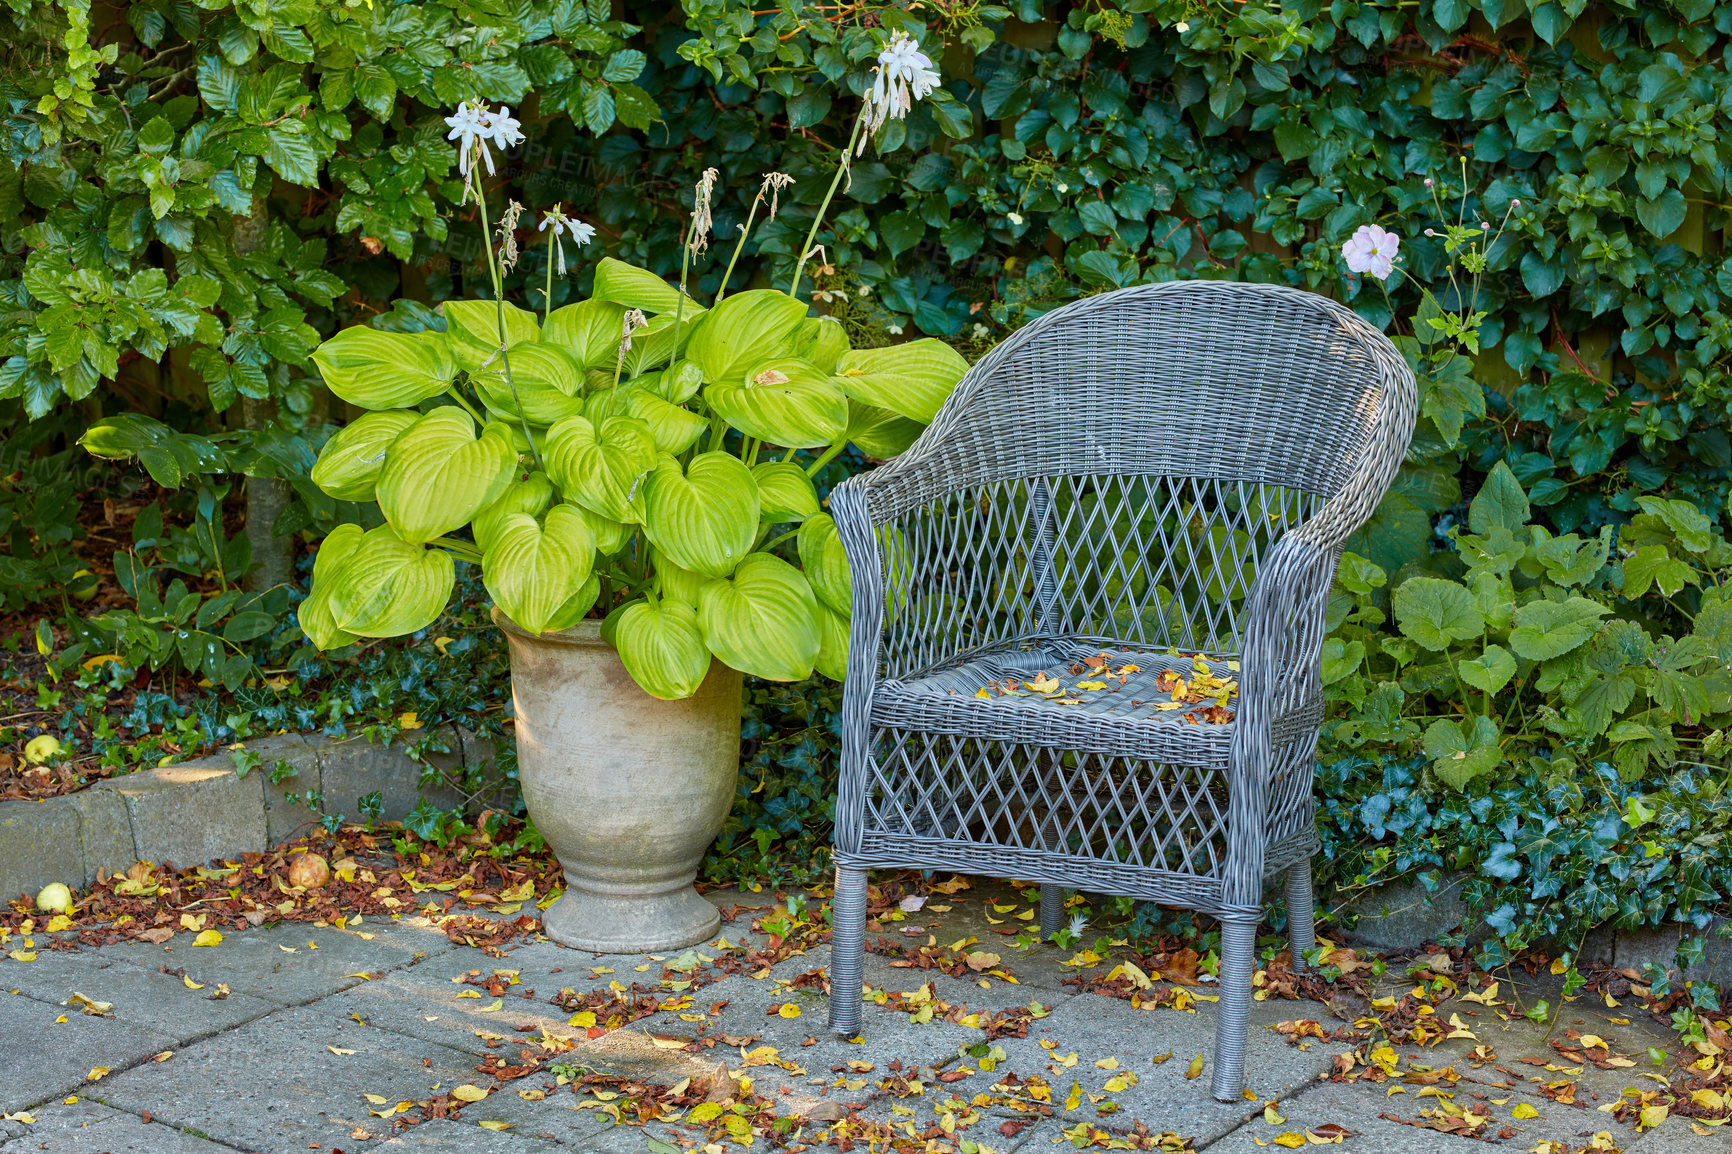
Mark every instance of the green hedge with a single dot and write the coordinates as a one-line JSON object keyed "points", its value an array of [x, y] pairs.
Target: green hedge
{"points": [[192, 195]]}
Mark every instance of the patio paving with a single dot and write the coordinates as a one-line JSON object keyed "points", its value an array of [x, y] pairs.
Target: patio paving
{"points": [[323, 1032]]}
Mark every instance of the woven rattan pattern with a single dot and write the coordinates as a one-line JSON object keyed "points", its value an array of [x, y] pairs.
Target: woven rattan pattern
{"points": [[1152, 472]]}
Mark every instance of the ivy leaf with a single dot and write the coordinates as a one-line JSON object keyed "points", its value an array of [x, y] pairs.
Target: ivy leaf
{"points": [[1435, 612]]}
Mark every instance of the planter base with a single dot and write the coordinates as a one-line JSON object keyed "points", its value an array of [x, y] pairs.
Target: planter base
{"points": [[636, 923]]}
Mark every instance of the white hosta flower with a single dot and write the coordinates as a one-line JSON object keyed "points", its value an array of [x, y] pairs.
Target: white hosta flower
{"points": [[564, 226], [1372, 250], [1014, 218], [474, 127], [893, 330], [903, 75]]}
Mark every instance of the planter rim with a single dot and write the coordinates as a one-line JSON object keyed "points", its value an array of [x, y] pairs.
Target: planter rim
{"points": [[585, 633]]}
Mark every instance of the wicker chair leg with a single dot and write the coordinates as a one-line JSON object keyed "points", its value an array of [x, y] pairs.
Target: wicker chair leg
{"points": [[1301, 912], [847, 950], [1051, 911], [1238, 958]]}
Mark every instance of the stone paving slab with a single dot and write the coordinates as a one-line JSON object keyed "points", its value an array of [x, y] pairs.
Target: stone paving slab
{"points": [[1674, 1136], [278, 1084], [290, 963], [444, 1136], [89, 1127], [42, 1060], [427, 1005], [142, 997]]}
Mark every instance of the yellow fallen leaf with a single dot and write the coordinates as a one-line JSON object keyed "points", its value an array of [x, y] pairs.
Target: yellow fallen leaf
{"points": [[498, 1004], [88, 1005], [583, 1019], [207, 938], [96, 1073], [1590, 1041], [1652, 1116], [1458, 1029], [468, 1093], [1091, 685], [1319, 1140], [408, 720], [1108, 1063], [1042, 684], [532, 1095], [1195, 1068], [1270, 1115], [376, 1099], [1290, 1140], [1074, 1098], [1524, 1110], [60, 1019], [190, 984], [22, 1116], [789, 1010], [340, 1050], [496, 1125], [22, 955]]}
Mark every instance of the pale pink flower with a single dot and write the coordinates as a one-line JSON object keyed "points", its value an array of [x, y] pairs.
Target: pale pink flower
{"points": [[1372, 250]]}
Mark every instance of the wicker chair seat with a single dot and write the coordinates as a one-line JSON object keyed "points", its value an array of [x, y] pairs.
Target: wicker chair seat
{"points": [[1132, 716]]}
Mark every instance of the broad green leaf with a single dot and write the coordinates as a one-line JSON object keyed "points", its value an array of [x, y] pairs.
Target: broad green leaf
{"points": [[762, 620], [659, 342], [1490, 671], [588, 332], [662, 647], [826, 563], [438, 474], [1500, 502], [675, 429], [601, 468], [532, 495], [636, 288], [378, 370], [676, 384], [1341, 659], [533, 568], [1547, 629], [820, 341], [912, 379], [1435, 612], [314, 613], [609, 534], [543, 386], [832, 659], [1495, 597], [785, 493], [578, 605], [879, 432], [1462, 751], [705, 519], [351, 461], [782, 402], [170, 457], [1653, 565], [743, 333], [386, 586], [473, 330], [678, 582]]}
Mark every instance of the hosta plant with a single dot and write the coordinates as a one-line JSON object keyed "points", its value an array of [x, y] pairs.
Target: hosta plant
{"points": [[631, 457]]}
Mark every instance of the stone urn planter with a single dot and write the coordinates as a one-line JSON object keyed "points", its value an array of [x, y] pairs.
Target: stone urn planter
{"points": [[628, 790]]}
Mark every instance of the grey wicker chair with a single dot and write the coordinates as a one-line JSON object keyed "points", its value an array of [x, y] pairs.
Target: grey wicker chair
{"points": [[1144, 475]]}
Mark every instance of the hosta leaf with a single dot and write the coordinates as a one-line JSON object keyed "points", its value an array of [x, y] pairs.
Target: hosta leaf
{"points": [[821, 341], [547, 382], [911, 379], [600, 467], [588, 332], [473, 330], [438, 474], [785, 493], [832, 644], [826, 563], [675, 429], [1435, 612], [609, 534], [705, 519], [1543, 630], [636, 288], [349, 465], [578, 605], [379, 370], [762, 620], [532, 495], [743, 332], [782, 402], [1490, 671], [662, 648], [659, 342], [879, 432], [533, 568], [314, 614], [386, 586], [676, 384], [678, 582]]}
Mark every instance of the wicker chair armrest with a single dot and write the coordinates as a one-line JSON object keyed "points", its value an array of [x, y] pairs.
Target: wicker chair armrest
{"points": [[853, 517], [1284, 627]]}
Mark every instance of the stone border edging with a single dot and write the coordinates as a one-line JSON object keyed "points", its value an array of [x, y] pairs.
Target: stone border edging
{"points": [[202, 810]]}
